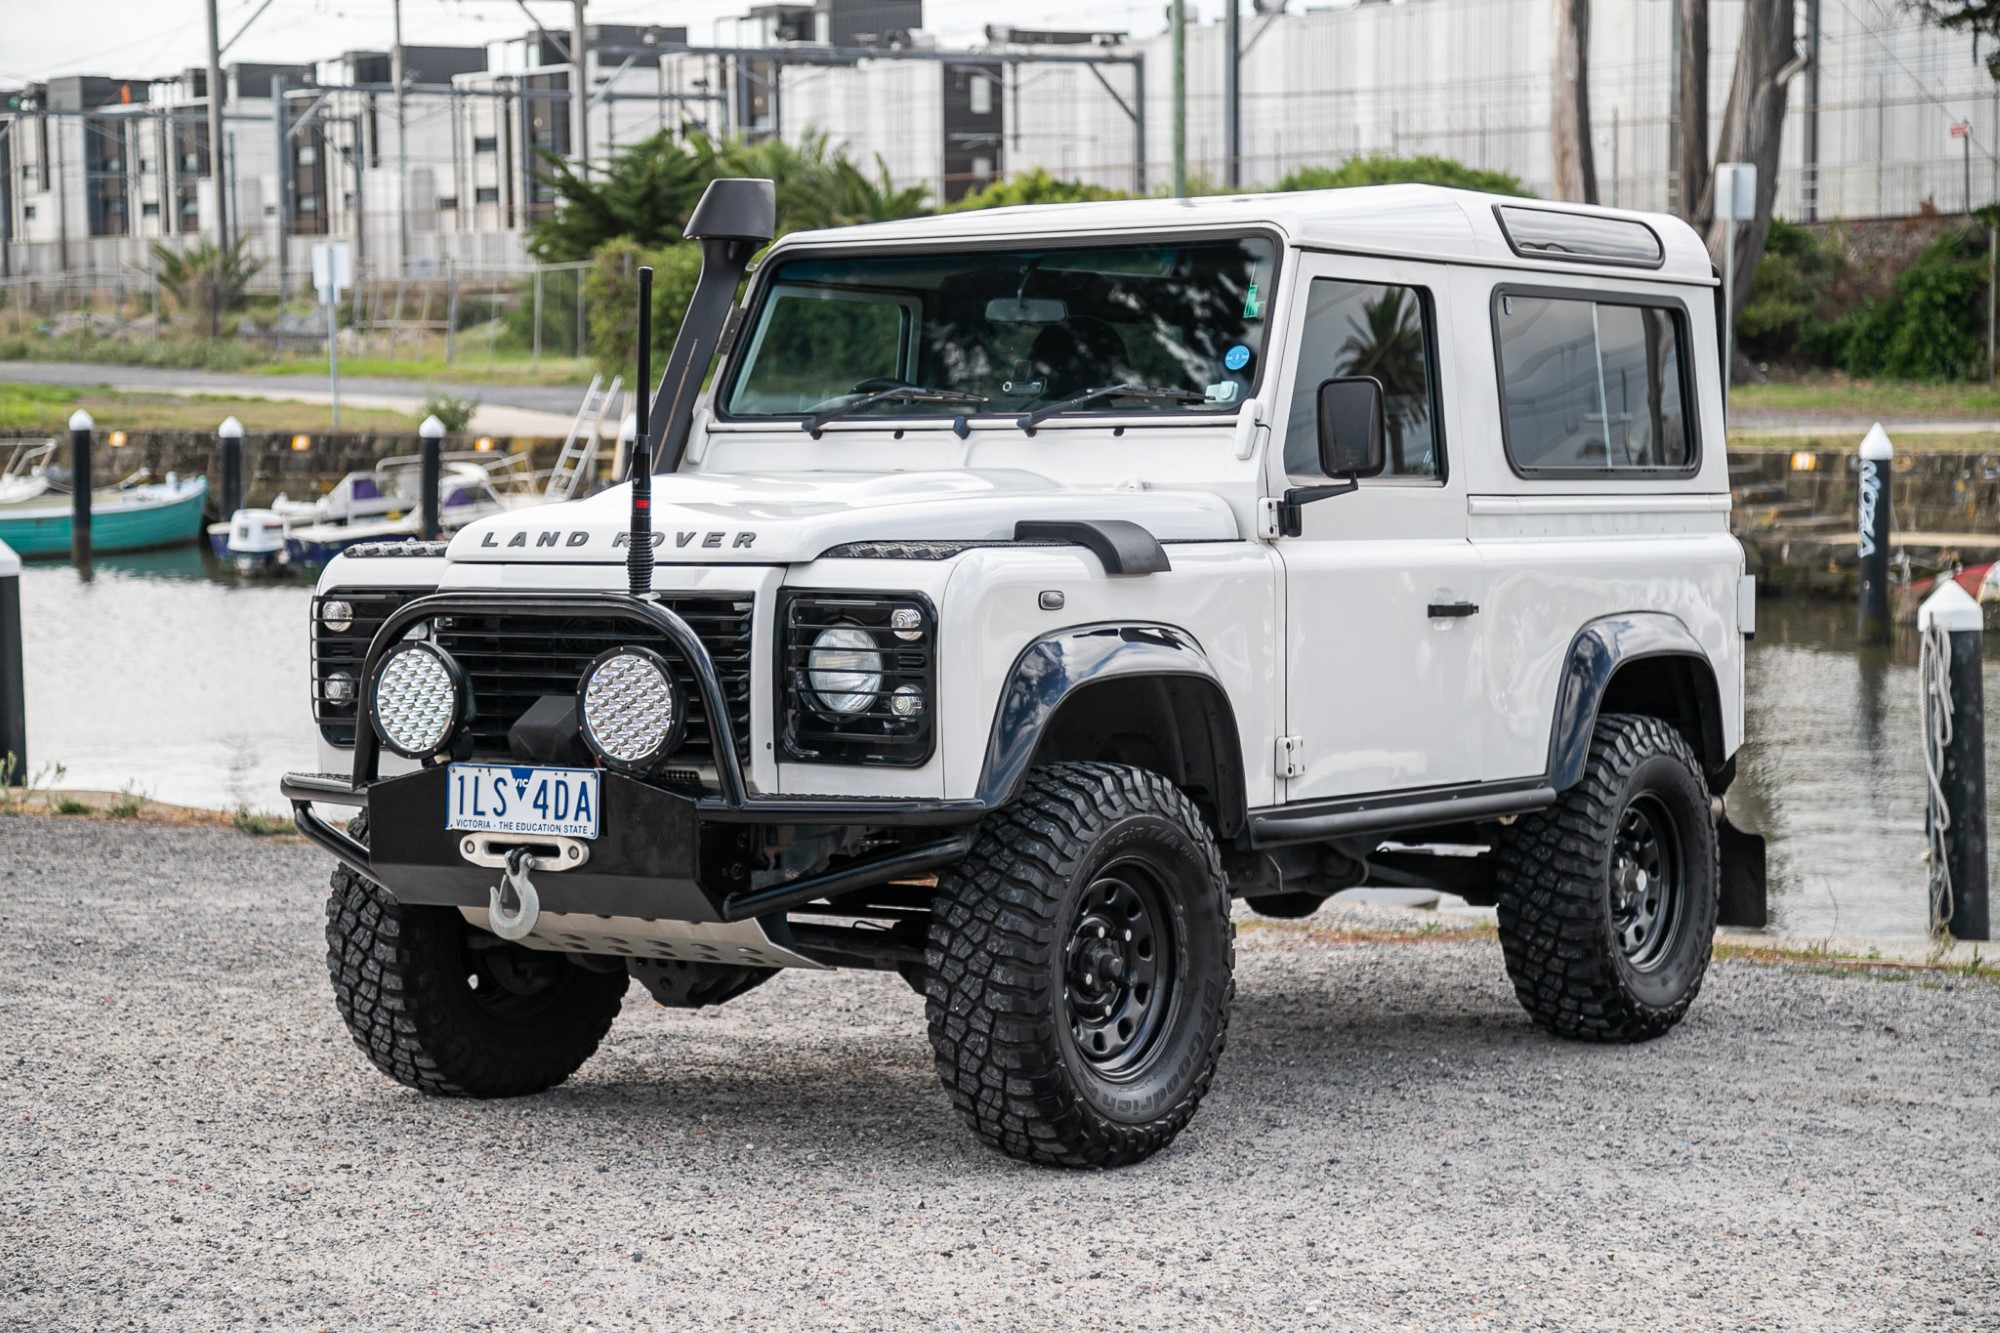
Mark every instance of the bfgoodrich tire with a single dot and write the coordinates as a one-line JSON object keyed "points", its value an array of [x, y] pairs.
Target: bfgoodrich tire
{"points": [[451, 1010], [1608, 898], [1080, 969]]}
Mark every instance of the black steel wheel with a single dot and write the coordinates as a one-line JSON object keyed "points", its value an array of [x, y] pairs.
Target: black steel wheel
{"points": [[1608, 898], [1080, 968], [451, 1010]]}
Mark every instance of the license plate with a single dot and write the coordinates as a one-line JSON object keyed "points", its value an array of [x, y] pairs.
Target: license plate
{"points": [[499, 798]]}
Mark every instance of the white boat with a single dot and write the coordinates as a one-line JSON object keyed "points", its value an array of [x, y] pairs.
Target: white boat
{"points": [[385, 503], [26, 473]]}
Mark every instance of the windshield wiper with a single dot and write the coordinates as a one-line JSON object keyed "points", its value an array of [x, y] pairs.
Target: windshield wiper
{"points": [[902, 393], [1029, 420]]}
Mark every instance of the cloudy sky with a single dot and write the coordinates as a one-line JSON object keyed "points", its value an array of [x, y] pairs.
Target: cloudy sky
{"points": [[139, 38]]}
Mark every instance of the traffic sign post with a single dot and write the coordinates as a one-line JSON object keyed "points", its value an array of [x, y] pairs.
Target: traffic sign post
{"points": [[1735, 202], [333, 273]]}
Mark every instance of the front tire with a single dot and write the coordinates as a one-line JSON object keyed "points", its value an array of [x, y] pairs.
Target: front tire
{"points": [[1608, 898], [1080, 968], [450, 1010]]}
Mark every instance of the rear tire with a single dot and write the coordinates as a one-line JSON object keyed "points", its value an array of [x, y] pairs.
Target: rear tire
{"points": [[450, 1010], [1079, 970], [1608, 898]]}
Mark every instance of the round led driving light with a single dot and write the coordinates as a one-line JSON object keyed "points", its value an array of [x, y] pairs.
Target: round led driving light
{"points": [[630, 708], [844, 670], [337, 616], [418, 700], [907, 701]]}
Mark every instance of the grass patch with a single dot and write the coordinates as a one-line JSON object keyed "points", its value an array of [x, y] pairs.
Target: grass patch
{"points": [[1839, 395], [471, 367], [246, 820], [48, 407], [69, 805], [1824, 961], [172, 352]]}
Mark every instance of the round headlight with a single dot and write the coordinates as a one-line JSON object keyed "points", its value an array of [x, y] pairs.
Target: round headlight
{"points": [[418, 700], [337, 616], [630, 708], [844, 670]]}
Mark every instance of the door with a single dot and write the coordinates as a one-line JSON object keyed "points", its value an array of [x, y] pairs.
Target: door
{"points": [[1383, 587]]}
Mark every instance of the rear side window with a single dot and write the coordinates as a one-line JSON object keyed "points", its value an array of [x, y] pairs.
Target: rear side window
{"points": [[1591, 386]]}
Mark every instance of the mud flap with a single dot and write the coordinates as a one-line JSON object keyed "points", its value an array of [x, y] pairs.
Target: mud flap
{"points": [[1744, 904]]}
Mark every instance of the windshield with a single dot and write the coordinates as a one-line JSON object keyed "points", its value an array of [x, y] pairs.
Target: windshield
{"points": [[1181, 324]]}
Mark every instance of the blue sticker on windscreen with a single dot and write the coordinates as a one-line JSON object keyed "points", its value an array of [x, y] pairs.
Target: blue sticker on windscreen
{"points": [[1236, 357]]}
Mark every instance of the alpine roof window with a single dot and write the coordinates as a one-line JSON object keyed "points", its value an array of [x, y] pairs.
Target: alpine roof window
{"points": [[1544, 234], [1593, 386]]}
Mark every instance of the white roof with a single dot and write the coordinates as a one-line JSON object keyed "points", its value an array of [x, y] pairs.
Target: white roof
{"points": [[1416, 221]]}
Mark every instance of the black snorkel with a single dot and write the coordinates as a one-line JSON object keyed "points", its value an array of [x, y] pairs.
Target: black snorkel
{"points": [[734, 220]]}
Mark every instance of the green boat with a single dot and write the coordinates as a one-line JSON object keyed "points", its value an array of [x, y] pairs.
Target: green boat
{"points": [[122, 518]]}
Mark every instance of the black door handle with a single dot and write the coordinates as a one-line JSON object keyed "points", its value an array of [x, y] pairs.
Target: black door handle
{"points": [[1453, 610]]}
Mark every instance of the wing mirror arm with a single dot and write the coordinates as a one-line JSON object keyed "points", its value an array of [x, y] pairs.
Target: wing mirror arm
{"points": [[1291, 509]]}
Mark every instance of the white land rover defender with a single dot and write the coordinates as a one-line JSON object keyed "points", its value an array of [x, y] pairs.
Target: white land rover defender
{"points": [[1008, 591]]}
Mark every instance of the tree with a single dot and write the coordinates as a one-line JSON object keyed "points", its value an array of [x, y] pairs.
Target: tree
{"points": [[646, 192], [1380, 169], [1753, 126], [204, 280], [1981, 18], [1695, 201], [1569, 114]]}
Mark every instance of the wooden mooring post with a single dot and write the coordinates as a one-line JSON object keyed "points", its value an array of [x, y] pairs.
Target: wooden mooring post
{"points": [[430, 451], [230, 432], [13, 682], [1954, 712], [80, 427], [1872, 529]]}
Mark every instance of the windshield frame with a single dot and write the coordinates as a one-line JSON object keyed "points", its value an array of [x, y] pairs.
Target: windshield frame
{"points": [[765, 278]]}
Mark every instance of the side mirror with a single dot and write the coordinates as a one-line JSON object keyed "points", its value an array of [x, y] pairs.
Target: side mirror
{"points": [[1352, 427]]}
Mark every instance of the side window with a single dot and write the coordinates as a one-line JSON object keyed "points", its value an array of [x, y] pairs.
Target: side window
{"points": [[1592, 386], [820, 345], [1368, 328]]}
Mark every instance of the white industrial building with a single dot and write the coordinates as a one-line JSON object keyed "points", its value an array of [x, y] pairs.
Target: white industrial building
{"points": [[95, 170]]}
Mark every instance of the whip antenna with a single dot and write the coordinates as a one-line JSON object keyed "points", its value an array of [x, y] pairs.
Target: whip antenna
{"points": [[639, 555]]}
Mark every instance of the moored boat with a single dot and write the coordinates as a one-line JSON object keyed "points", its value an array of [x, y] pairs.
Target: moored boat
{"points": [[124, 518]]}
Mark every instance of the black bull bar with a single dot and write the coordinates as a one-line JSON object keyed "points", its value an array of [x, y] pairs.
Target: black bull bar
{"points": [[675, 856]]}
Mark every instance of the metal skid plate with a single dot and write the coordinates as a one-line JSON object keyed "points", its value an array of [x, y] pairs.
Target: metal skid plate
{"points": [[742, 943]]}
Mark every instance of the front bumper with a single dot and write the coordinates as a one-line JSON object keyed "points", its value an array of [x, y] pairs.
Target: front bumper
{"points": [[662, 853]]}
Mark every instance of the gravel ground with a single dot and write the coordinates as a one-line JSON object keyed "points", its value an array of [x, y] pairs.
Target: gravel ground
{"points": [[188, 1139]]}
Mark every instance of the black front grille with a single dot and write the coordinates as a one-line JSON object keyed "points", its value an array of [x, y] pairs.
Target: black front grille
{"points": [[340, 653], [513, 660]]}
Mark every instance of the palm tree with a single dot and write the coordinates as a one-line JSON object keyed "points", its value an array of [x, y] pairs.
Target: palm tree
{"points": [[206, 280], [1387, 342]]}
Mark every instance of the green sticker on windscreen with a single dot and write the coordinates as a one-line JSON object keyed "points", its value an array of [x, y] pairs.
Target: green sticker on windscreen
{"points": [[1251, 310]]}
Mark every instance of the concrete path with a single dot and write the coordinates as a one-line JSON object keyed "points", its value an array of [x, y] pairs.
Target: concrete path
{"points": [[188, 1138]]}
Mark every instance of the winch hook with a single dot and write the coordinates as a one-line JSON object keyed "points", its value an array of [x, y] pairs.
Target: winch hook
{"points": [[519, 922]]}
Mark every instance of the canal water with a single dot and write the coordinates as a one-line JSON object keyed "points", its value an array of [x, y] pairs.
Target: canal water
{"points": [[165, 673]]}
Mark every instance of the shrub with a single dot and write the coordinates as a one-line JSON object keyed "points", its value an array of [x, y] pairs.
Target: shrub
{"points": [[454, 413], [1381, 169], [611, 296], [204, 281], [1034, 187], [1931, 325]]}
